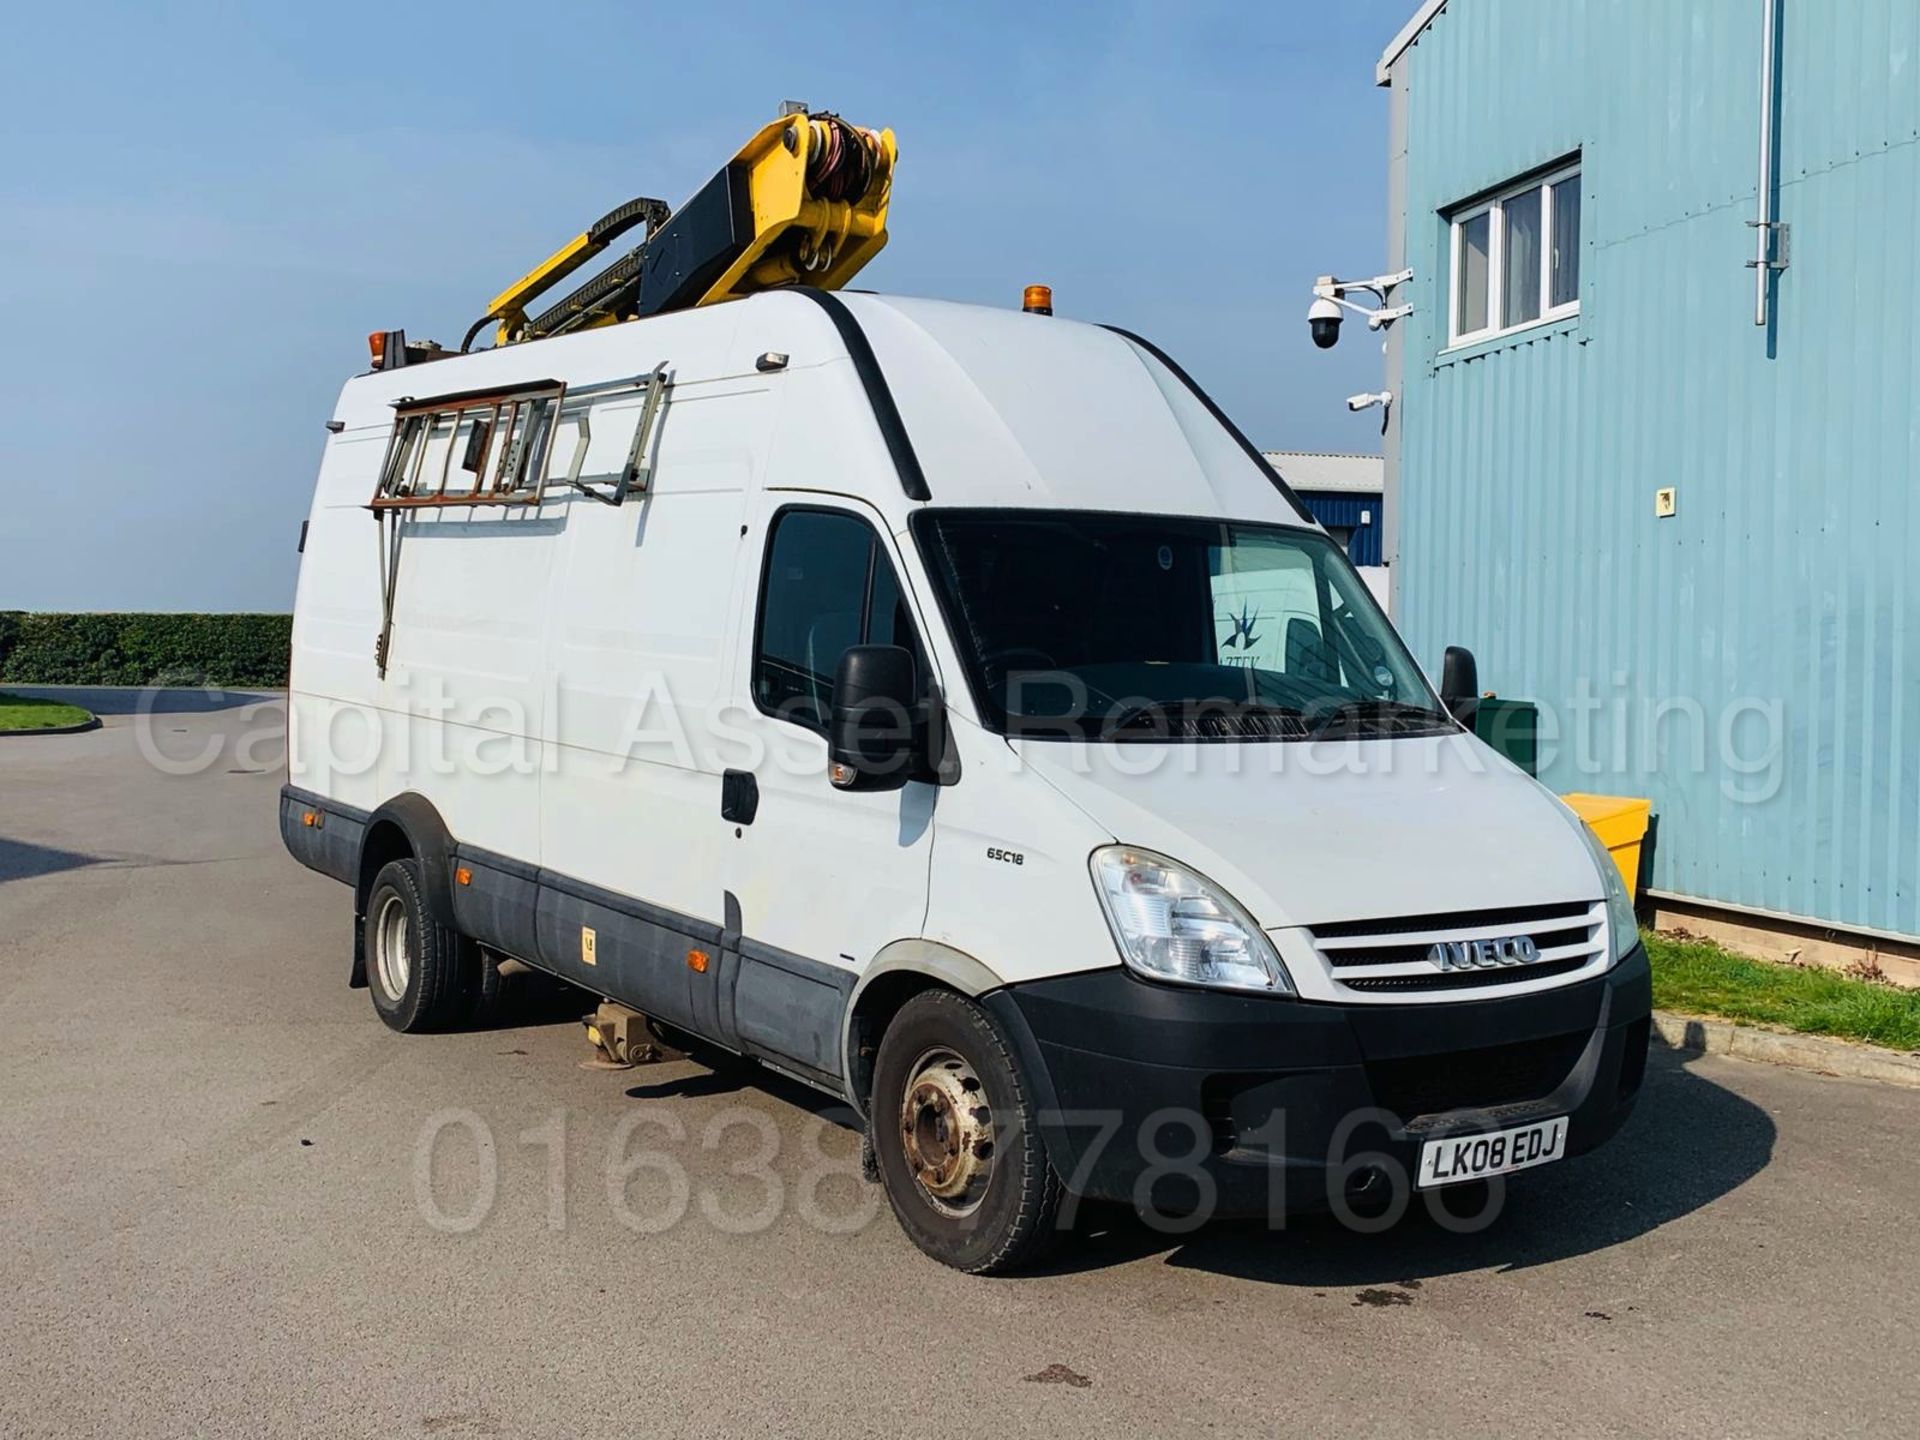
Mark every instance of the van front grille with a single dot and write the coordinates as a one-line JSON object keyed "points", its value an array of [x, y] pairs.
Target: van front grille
{"points": [[1464, 979], [1400, 954], [1489, 920], [1409, 955]]}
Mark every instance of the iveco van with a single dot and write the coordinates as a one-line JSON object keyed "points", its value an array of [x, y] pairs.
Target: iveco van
{"points": [[947, 708]]}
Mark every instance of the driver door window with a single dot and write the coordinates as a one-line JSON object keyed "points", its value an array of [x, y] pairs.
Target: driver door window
{"points": [[827, 586]]}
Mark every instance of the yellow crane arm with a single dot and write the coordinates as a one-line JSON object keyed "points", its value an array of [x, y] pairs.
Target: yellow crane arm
{"points": [[819, 205], [803, 202], [509, 307]]}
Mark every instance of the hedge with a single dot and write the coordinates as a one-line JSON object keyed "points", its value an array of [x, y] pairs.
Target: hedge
{"points": [[241, 650]]}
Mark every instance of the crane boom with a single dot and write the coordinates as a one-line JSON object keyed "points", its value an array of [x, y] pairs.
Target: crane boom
{"points": [[803, 202]]}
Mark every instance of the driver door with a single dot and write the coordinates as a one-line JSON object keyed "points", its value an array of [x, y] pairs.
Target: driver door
{"points": [[818, 879]]}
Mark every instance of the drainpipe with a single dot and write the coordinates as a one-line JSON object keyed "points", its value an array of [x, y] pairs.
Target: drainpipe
{"points": [[1396, 339], [1766, 260]]}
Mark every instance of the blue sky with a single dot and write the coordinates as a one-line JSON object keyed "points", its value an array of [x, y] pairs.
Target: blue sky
{"points": [[205, 208]]}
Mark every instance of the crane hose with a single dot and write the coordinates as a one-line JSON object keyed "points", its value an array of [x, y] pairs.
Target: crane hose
{"points": [[842, 161]]}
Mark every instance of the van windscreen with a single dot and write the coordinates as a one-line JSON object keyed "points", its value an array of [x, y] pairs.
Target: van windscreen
{"points": [[1090, 625]]}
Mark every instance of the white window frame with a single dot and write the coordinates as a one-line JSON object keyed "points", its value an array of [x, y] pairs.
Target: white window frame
{"points": [[1494, 207]]}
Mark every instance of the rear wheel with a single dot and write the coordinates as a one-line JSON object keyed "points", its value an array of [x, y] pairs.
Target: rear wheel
{"points": [[417, 969], [489, 992], [958, 1141]]}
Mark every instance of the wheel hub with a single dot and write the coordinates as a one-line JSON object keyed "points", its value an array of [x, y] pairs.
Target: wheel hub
{"points": [[946, 1127], [391, 950]]}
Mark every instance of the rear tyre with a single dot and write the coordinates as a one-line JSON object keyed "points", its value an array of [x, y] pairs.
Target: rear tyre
{"points": [[958, 1141], [418, 970], [488, 992]]}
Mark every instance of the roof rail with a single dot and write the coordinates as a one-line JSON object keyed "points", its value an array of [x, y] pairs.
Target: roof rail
{"points": [[886, 414]]}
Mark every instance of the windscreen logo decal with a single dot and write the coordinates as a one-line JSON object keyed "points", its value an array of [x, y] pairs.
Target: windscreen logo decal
{"points": [[1483, 954], [1241, 637]]}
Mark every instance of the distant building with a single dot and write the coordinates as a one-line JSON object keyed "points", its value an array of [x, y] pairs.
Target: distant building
{"points": [[1343, 492], [1665, 491]]}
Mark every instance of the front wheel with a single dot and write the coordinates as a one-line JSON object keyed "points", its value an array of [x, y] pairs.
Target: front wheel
{"points": [[958, 1141]]}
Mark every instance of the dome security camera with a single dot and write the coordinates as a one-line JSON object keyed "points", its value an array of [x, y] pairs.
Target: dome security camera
{"points": [[1323, 320]]}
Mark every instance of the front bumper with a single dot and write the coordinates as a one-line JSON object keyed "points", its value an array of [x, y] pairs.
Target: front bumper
{"points": [[1180, 1099]]}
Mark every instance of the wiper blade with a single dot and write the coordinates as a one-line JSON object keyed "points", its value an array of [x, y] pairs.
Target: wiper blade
{"points": [[1377, 708], [1216, 717], [1191, 705]]}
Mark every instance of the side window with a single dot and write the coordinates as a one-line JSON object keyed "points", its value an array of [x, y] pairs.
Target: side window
{"points": [[1516, 258], [828, 586]]}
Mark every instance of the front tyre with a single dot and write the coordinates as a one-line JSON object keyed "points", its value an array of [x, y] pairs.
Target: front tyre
{"points": [[415, 965], [957, 1139]]}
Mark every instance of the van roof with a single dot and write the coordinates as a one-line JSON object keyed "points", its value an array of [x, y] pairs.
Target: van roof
{"points": [[1000, 408]]}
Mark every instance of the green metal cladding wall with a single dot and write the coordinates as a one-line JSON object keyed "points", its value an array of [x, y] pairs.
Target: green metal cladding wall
{"points": [[1528, 466]]}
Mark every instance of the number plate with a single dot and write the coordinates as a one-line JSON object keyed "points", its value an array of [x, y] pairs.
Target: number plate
{"points": [[1474, 1157]]}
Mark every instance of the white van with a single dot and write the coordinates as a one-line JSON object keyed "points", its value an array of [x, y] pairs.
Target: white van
{"points": [[948, 708]]}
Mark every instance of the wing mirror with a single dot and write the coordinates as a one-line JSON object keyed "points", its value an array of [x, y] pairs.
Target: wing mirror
{"points": [[873, 742], [1460, 684]]}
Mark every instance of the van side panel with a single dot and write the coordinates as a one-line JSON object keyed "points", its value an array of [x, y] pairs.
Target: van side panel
{"points": [[790, 1008], [1009, 880], [331, 744], [643, 608], [328, 842], [457, 716], [464, 690], [470, 631], [616, 946], [499, 904]]}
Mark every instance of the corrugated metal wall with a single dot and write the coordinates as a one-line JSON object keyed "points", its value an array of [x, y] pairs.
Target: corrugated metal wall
{"points": [[1358, 513], [1781, 601]]}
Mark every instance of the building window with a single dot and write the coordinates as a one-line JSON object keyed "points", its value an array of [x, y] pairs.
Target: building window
{"points": [[1516, 258]]}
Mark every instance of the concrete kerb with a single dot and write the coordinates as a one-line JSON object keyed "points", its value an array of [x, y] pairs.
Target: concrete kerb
{"points": [[1819, 1053]]}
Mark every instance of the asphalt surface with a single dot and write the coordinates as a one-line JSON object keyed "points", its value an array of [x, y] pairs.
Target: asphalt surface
{"points": [[213, 1219]]}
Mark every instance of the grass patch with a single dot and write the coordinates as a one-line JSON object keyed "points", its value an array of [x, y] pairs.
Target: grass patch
{"points": [[24, 712], [1697, 977]]}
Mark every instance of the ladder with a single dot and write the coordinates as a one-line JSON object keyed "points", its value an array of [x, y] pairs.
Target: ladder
{"points": [[802, 203], [495, 447]]}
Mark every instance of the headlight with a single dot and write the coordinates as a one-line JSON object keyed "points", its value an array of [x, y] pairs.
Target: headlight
{"points": [[1622, 925], [1172, 924]]}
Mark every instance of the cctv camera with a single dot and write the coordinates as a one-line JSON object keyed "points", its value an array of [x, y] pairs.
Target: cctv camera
{"points": [[1323, 319]]}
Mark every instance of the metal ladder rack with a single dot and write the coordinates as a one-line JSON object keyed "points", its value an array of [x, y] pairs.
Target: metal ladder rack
{"points": [[494, 447]]}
